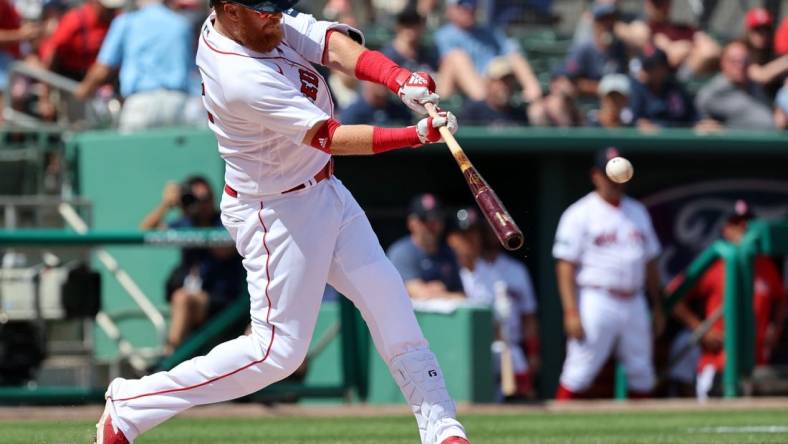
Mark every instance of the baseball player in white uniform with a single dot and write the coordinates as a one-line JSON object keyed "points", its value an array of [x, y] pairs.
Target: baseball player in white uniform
{"points": [[606, 252], [295, 224]]}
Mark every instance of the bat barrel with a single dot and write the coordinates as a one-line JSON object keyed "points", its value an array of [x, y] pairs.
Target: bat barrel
{"points": [[507, 232]]}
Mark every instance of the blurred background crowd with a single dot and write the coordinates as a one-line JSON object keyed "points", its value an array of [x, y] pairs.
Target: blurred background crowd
{"points": [[603, 63]]}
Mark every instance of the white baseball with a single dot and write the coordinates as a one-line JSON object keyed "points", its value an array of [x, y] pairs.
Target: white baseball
{"points": [[619, 170]]}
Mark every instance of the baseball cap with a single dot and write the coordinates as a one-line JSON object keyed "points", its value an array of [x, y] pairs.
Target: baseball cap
{"points": [[499, 68], [266, 6], [426, 207], [757, 17], [613, 83], [112, 4], [470, 4], [602, 156], [741, 212], [464, 219], [652, 57], [409, 17], [602, 10]]}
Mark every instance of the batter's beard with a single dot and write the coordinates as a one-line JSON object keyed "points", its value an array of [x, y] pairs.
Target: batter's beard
{"points": [[263, 41]]}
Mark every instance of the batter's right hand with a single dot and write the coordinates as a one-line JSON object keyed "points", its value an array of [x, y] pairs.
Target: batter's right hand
{"points": [[573, 327], [427, 128]]}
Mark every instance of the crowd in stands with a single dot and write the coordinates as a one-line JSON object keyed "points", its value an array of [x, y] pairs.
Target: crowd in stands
{"points": [[623, 68]]}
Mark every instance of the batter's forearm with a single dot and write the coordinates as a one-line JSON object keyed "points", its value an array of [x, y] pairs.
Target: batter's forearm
{"points": [[342, 53], [352, 140]]}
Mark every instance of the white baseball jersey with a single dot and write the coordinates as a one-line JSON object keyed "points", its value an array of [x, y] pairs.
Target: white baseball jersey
{"points": [[609, 244], [480, 287], [260, 105]]}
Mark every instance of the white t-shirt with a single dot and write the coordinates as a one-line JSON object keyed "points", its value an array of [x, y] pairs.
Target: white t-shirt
{"points": [[479, 286], [260, 105], [610, 245]]}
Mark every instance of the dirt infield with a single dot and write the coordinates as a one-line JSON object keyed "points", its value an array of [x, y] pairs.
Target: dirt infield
{"points": [[250, 410]]}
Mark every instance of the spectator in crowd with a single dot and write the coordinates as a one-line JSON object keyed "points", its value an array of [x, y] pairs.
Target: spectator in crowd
{"points": [[781, 109], [12, 32], [206, 280], [689, 50], [153, 49], [731, 97], [375, 106], [466, 50], [606, 252], [74, 45], [406, 48], [766, 67], [427, 265], [658, 99], [604, 53], [497, 109], [614, 111], [768, 305], [493, 279], [559, 107]]}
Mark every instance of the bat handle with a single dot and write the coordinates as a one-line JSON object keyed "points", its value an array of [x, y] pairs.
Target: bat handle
{"points": [[448, 137]]}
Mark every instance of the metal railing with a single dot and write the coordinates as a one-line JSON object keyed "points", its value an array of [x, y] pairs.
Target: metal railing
{"points": [[71, 113]]}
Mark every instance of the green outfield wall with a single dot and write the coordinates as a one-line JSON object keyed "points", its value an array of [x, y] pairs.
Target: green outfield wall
{"points": [[536, 172]]}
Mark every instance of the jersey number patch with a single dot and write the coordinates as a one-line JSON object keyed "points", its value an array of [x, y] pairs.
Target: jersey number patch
{"points": [[309, 83]]}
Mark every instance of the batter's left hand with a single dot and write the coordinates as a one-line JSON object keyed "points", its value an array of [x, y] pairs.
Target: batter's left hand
{"points": [[418, 90], [427, 128]]}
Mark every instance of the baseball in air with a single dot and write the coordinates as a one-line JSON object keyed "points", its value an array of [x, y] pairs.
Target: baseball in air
{"points": [[619, 170]]}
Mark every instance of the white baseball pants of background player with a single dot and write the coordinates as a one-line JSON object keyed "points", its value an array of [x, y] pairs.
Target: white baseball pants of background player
{"points": [[610, 322], [292, 245]]}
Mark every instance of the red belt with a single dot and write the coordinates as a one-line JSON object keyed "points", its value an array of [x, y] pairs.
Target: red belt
{"points": [[322, 175], [620, 294]]}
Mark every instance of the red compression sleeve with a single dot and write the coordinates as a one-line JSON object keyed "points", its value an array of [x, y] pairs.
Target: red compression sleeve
{"points": [[325, 135], [387, 139], [373, 66]]}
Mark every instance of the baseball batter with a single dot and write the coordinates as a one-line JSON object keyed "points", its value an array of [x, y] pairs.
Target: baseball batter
{"points": [[295, 224], [606, 252]]}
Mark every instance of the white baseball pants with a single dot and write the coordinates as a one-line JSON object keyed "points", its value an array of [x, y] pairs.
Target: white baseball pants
{"points": [[608, 322], [292, 245]]}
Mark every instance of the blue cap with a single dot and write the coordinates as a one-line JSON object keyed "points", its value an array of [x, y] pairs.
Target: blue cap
{"points": [[267, 6], [602, 10], [470, 4]]}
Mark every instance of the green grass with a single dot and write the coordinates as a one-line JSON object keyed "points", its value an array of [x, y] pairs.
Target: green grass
{"points": [[541, 427]]}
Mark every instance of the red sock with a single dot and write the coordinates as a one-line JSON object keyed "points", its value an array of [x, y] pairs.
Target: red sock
{"points": [[564, 394]]}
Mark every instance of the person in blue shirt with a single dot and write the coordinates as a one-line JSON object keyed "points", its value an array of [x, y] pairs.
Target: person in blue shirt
{"points": [[466, 50], [603, 54], [657, 99], [153, 50], [427, 264], [206, 280], [374, 106]]}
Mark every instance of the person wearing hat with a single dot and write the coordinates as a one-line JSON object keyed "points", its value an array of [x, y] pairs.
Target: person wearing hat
{"points": [[427, 264], [406, 48], [614, 111], [604, 53], [151, 48], [295, 224], [690, 51], [732, 98], [767, 68], [492, 278], [467, 50], [768, 305], [497, 109], [74, 45], [657, 99], [606, 255]]}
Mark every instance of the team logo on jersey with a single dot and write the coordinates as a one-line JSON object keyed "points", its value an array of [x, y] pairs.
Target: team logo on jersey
{"points": [[309, 83], [432, 373]]}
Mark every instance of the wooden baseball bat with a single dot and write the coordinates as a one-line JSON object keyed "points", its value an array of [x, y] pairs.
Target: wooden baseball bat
{"points": [[504, 227]]}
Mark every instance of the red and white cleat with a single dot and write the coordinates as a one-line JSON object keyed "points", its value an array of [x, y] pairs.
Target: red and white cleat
{"points": [[455, 440], [106, 433]]}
